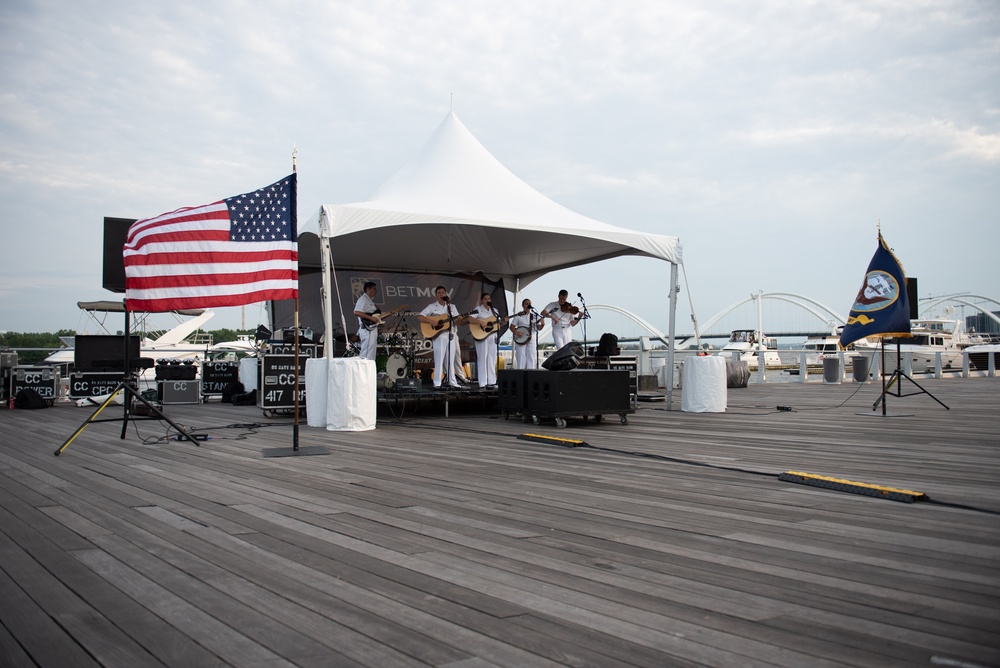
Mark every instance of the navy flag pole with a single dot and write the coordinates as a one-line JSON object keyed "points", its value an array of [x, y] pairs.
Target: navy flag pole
{"points": [[882, 307]]}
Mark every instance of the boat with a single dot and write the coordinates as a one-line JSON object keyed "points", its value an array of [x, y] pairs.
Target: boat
{"points": [[818, 348], [182, 341], [979, 356], [744, 344], [930, 337]]}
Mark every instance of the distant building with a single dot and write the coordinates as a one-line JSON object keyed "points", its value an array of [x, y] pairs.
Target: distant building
{"points": [[981, 324]]}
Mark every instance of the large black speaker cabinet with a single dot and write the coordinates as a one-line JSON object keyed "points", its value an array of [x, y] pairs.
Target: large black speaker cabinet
{"points": [[97, 351], [566, 358], [115, 234], [911, 294]]}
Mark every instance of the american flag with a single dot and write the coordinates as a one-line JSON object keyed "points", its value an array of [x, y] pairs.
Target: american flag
{"points": [[237, 251]]}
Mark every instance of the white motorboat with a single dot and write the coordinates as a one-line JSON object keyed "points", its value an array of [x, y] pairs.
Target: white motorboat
{"points": [[744, 346], [931, 337], [818, 348], [180, 342]]}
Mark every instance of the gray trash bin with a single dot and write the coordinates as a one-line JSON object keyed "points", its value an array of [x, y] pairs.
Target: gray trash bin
{"points": [[831, 369], [860, 365]]}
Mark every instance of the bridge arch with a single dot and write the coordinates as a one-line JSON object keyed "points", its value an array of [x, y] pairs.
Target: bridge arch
{"points": [[653, 332], [963, 299], [823, 313]]}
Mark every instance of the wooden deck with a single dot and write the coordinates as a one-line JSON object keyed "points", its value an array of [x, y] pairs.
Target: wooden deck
{"points": [[668, 541]]}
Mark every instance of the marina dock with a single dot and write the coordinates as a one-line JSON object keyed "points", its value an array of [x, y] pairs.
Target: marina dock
{"points": [[458, 542]]}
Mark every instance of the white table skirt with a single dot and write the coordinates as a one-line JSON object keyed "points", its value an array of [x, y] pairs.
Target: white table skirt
{"points": [[704, 387], [341, 394]]}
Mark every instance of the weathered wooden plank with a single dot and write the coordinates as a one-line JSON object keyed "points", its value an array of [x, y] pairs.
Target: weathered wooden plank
{"points": [[450, 542]]}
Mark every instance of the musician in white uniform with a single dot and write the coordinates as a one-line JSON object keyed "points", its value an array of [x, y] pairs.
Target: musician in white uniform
{"points": [[445, 342], [564, 317], [486, 348], [365, 309], [525, 326]]}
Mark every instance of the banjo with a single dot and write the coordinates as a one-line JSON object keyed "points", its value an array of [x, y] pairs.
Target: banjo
{"points": [[522, 335]]}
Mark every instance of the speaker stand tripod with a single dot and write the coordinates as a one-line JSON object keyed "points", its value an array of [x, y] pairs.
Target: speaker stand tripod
{"points": [[131, 393], [897, 378]]}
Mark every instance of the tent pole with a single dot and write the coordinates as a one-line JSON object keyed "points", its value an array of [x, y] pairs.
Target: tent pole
{"points": [[674, 289], [515, 305], [327, 315], [324, 264]]}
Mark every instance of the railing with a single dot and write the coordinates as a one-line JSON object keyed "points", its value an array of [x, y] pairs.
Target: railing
{"points": [[798, 365]]}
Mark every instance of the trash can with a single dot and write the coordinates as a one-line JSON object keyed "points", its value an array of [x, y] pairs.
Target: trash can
{"points": [[860, 365], [831, 369]]}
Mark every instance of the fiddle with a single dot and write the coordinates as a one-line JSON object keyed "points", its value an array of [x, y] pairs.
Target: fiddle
{"points": [[569, 308]]}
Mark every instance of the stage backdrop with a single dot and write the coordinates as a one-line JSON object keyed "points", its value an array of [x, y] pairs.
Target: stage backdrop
{"points": [[408, 292]]}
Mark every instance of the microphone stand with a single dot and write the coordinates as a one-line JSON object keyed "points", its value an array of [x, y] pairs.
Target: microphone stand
{"points": [[532, 325], [584, 315], [496, 345], [450, 356]]}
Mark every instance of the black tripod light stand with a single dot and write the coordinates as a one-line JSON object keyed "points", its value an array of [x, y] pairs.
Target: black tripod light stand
{"points": [[897, 379], [130, 379]]}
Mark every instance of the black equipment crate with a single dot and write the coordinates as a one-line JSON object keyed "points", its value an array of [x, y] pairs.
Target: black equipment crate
{"points": [[41, 379], [218, 375], [83, 384], [616, 363], [276, 382], [583, 392], [179, 392]]}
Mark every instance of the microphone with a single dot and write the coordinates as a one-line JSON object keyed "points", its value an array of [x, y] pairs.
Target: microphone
{"points": [[446, 300], [579, 295]]}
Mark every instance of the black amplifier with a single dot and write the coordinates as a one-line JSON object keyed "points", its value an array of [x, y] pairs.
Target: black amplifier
{"points": [[406, 384]]}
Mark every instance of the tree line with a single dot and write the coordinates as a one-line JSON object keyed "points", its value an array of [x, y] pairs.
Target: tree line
{"points": [[49, 341]]}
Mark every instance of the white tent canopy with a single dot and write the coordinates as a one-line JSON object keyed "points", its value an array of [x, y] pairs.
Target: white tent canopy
{"points": [[455, 209]]}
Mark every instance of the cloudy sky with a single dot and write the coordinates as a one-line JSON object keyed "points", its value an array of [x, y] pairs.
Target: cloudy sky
{"points": [[771, 137]]}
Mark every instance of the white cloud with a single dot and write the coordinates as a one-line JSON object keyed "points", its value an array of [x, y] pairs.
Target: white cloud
{"points": [[805, 118]]}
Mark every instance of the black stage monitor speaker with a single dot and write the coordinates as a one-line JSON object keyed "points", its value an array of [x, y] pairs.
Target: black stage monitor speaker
{"points": [[566, 358], [115, 234], [911, 294], [95, 351]]}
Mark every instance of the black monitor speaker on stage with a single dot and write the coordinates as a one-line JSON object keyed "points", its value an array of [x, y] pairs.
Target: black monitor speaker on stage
{"points": [[566, 358], [911, 295], [115, 234]]}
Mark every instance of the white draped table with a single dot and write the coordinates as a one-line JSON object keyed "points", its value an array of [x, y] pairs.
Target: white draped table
{"points": [[341, 394]]}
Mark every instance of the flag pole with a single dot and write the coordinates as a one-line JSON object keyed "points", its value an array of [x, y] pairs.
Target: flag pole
{"points": [[295, 427], [313, 449]]}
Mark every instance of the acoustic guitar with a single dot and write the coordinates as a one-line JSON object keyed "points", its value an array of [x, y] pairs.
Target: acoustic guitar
{"points": [[480, 330], [380, 317], [442, 325]]}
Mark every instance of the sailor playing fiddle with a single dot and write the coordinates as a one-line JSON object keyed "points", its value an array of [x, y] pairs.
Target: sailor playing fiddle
{"points": [[564, 317]]}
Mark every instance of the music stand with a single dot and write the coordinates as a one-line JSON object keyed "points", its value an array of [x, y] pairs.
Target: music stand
{"points": [[129, 379], [897, 378]]}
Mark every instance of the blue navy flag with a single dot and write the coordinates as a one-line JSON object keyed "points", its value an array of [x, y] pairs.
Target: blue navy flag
{"points": [[882, 307]]}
